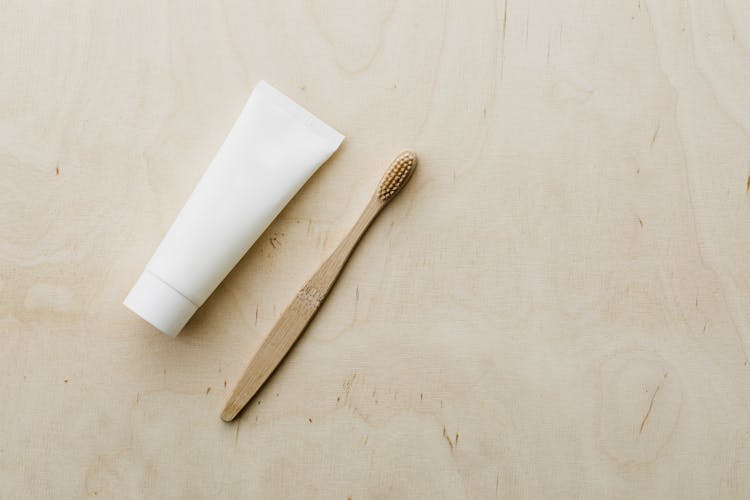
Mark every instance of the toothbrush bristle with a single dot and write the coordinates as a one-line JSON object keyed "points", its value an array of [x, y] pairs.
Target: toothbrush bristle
{"points": [[397, 175]]}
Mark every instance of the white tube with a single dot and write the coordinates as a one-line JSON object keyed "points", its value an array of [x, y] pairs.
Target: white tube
{"points": [[273, 148]]}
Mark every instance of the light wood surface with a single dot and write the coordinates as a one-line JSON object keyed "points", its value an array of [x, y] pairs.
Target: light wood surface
{"points": [[300, 311], [560, 307]]}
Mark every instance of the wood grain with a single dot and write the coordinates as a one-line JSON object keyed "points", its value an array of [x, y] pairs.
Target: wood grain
{"points": [[562, 309]]}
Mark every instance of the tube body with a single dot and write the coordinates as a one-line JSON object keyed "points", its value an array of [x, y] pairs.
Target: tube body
{"points": [[272, 150]]}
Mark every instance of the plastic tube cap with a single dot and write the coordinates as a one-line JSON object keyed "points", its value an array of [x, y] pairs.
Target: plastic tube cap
{"points": [[159, 304]]}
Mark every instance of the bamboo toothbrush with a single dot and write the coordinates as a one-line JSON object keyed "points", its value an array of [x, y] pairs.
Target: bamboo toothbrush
{"points": [[305, 304]]}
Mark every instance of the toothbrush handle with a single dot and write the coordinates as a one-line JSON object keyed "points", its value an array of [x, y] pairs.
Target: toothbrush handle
{"points": [[297, 316]]}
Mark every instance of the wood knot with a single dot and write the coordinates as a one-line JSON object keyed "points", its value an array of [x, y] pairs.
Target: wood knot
{"points": [[310, 296]]}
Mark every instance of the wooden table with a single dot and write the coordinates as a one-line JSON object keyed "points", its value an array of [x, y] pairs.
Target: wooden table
{"points": [[557, 307]]}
